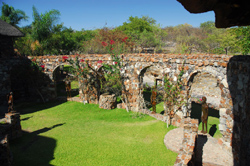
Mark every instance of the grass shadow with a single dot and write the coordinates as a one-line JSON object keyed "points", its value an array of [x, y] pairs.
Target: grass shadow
{"points": [[34, 149], [213, 130], [30, 107]]}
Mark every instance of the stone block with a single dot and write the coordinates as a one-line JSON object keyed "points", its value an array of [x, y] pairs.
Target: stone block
{"points": [[222, 127], [222, 111]]}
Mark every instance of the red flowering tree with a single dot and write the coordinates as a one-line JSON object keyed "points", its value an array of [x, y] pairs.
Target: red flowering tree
{"points": [[90, 79], [105, 35], [113, 75]]}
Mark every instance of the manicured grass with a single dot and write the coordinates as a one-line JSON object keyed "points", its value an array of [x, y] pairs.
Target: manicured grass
{"points": [[72, 133]]}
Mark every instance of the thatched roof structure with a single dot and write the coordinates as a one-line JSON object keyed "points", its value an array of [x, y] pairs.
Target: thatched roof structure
{"points": [[228, 13], [9, 30]]}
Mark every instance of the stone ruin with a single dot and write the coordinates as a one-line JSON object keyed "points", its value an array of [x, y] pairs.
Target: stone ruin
{"points": [[230, 79]]}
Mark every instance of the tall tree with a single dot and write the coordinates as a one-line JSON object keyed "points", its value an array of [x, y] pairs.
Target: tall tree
{"points": [[43, 27], [141, 31], [43, 24], [11, 15]]}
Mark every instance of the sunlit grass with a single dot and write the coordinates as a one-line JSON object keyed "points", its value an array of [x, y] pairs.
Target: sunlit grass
{"points": [[76, 134]]}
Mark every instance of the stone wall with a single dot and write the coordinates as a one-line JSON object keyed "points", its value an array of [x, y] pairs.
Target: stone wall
{"points": [[14, 73], [186, 155], [238, 76]]}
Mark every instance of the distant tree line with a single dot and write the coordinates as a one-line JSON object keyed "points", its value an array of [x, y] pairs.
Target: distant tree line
{"points": [[46, 36]]}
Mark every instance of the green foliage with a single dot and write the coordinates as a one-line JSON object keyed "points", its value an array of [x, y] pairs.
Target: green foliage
{"points": [[114, 79], [143, 31], [43, 24], [45, 37], [106, 35], [173, 97], [243, 38], [94, 137], [11, 15]]}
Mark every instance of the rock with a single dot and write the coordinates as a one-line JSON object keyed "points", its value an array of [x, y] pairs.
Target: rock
{"points": [[107, 101]]}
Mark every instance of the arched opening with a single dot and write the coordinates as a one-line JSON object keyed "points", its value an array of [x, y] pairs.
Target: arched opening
{"points": [[59, 77], [150, 77], [206, 84]]}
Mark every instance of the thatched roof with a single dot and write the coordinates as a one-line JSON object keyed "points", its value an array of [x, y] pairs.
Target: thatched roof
{"points": [[228, 13], [9, 30]]}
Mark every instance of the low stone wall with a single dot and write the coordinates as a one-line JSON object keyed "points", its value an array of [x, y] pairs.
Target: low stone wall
{"points": [[15, 130], [10, 130], [186, 156], [107, 101]]}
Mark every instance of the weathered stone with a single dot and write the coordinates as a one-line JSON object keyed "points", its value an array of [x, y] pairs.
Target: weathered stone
{"points": [[107, 101]]}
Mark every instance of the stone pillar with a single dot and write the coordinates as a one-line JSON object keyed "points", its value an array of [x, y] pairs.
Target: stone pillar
{"points": [[186, 155], [107, 101], [238, 78], [13, 118]]}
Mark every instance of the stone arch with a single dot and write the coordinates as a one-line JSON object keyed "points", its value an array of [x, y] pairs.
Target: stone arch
{"points": [[213, 79], [54, 73], [223, 101], [145, 69]]}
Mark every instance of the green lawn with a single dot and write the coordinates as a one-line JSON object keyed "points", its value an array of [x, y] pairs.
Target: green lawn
{"points": [[72, 133]]}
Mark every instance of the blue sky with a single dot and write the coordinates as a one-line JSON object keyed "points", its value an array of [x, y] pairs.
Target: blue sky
{"points": [[92, 14]]}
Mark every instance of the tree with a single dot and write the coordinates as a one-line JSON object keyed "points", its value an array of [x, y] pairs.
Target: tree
{"points": [[43, 25], [142, 31], [242, 38], [219, 41], [106, 35], [11, 15]]}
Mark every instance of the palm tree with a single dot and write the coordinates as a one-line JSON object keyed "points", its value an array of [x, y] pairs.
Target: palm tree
{"points": [[43, 24], [11, 15]]}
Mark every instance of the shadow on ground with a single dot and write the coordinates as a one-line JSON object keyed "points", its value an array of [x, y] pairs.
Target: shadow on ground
{"points": [[26, 108], [201, 141], [33, 149]]}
